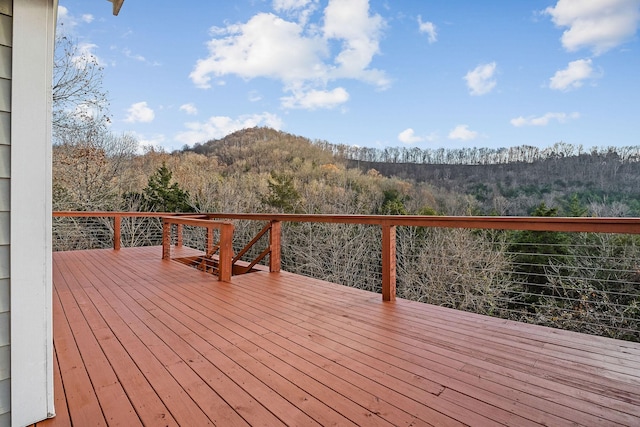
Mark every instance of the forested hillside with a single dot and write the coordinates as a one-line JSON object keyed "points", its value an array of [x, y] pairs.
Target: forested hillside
{"points": [[513, 181], [254, 170], [260, 169], [605, 182]]}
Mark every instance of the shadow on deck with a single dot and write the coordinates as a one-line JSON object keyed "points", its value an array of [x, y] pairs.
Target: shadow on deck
{"points": [[140, 341]]}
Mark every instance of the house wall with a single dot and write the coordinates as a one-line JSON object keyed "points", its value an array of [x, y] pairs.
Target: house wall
{"points": [[6, 37]]}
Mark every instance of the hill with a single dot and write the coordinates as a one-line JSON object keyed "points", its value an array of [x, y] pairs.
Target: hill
{"points": [[262, 149], [502, 181]]}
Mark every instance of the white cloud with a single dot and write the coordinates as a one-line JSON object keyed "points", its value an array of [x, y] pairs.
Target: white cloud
{"points": [[148, 142], [127, 52], [481, 80], [544, 119], [140, 113], [67, 21], [263, 46], [428, 28], [463, 133], [284, 5], [597, 25], [349, 21], [189, 109], [85, 54], [408, 136], [219, 126], [90, 110], [137, 57], [314, 99], [301, 9], [254, 96], [63, 12], [573, 76]]}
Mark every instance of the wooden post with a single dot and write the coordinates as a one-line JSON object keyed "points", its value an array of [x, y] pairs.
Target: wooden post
{"points": [[225, 262], [208, 244], [275, 246], [117, 223], [179, 235], [166, 239], [388, 263]]}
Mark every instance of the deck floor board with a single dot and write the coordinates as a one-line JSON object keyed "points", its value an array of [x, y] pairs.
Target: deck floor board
{"points": [[142, 341], [450, 353]]}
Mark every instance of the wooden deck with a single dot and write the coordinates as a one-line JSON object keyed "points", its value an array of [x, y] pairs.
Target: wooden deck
{"points": [[141, 341]]}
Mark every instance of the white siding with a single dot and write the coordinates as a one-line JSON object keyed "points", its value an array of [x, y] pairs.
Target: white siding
{"points": [[6, 29], [5, 94], [5, 62], [6, 7], [29, 255]]}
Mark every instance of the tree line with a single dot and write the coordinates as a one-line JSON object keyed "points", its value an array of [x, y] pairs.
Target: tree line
{"points": [[478, 155]]}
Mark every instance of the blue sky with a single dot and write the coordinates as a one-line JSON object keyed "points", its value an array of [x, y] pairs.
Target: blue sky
{"points": [[377, 73]]}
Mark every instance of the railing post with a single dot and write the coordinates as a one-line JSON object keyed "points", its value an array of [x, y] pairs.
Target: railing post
{"points": [[117, 222], [388, 263], [275, 246], [166, 239], [208, 243], [179, 235], [225, 262]]}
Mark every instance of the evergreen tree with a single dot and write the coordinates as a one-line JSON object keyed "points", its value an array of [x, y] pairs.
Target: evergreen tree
{"points": [[282, 193], [160, 195], [574, 207], [393, 203]]}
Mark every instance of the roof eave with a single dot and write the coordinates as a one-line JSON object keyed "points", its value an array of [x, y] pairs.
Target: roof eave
{"points": [[117, 4]]}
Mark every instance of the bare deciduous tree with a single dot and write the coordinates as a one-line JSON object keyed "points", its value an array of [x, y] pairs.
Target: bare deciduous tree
{"points": [[79, 100], [88, 164], [454, 268]]}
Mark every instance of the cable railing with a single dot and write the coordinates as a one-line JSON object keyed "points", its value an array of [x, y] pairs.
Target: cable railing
{"points": [[580, 274], [101, 230]]}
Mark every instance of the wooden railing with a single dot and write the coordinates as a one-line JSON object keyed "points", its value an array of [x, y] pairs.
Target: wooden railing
{"points": [[588, 280], [223, 266], [386, 223], [115, 217], [230, 264], [226, 264]]}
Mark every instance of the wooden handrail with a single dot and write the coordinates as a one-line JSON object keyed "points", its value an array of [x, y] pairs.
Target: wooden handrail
{"points": [[388, 223], [568, 224], [224, 246], [110, 214]]}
